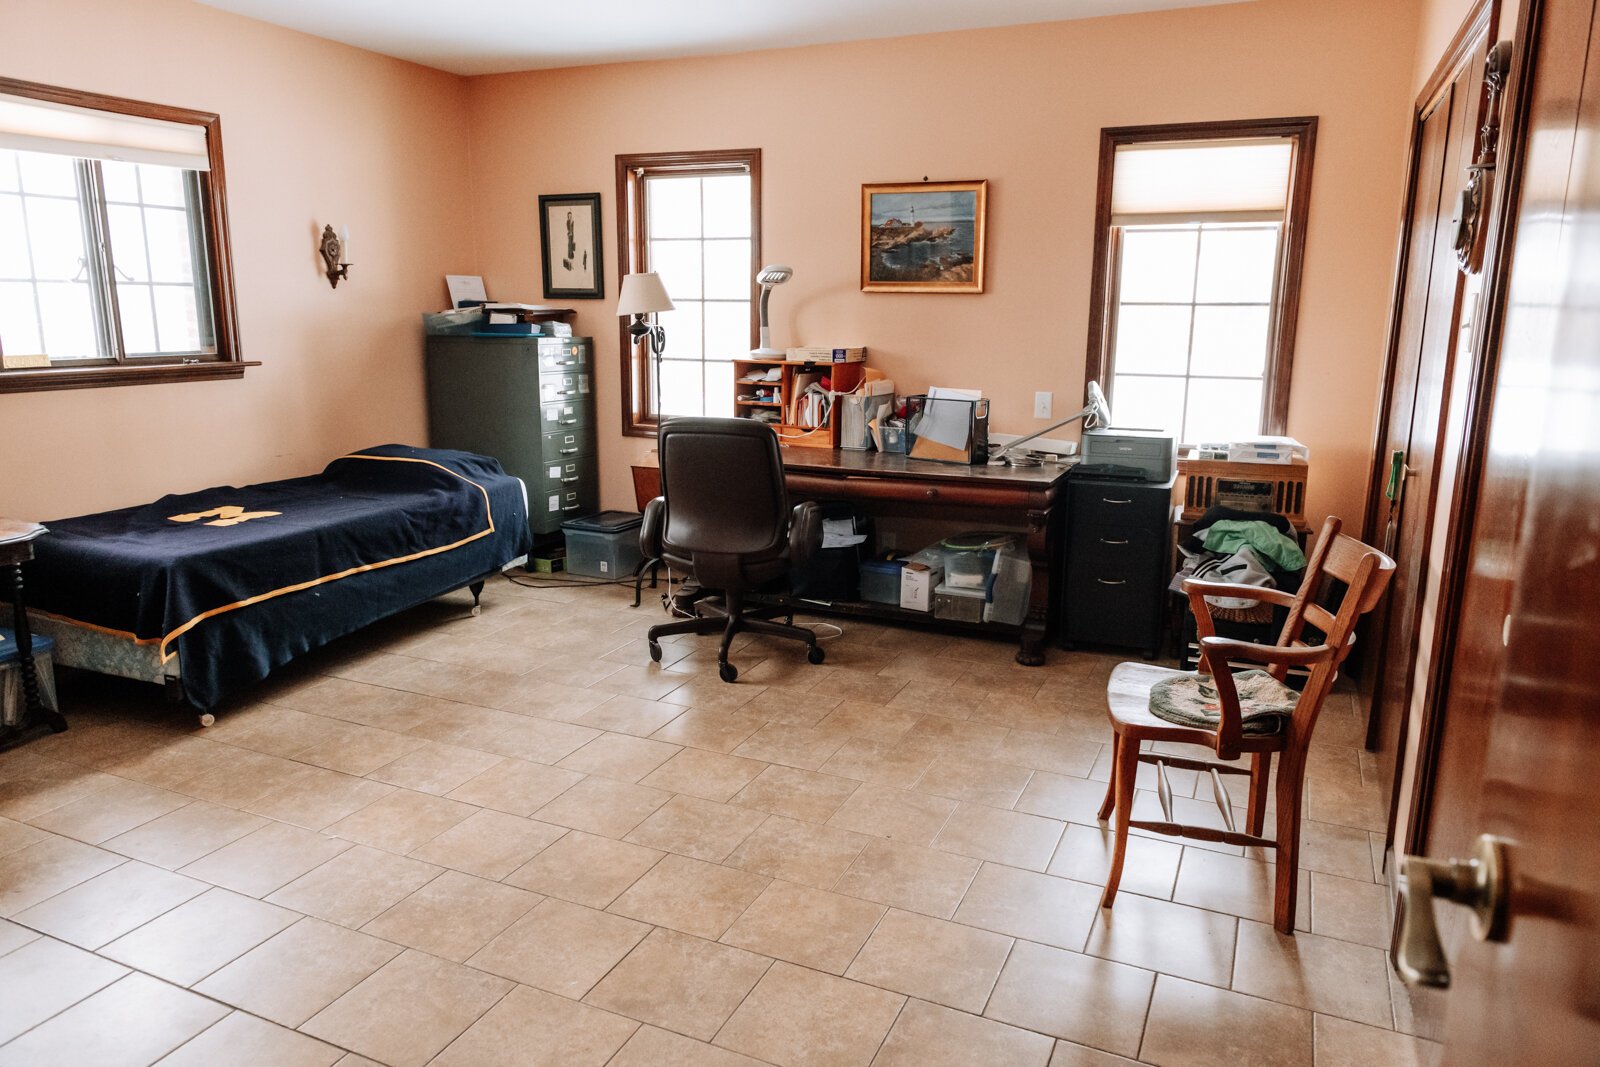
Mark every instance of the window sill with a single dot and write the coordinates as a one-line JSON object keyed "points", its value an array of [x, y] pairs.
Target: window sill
{"points": [[35, 381]]}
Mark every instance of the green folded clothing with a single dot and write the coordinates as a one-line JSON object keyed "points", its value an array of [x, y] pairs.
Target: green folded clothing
{"points": [[1226, 535], [1265, 703]]}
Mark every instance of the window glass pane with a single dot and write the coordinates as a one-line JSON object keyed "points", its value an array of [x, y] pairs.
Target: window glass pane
{"points": [[48, 175], [13, 239], [138, 320], [1152, 339], [719, 389], [19, 321], [727, 206], [681, 387], [127, 243], [177, 321], [68, 320], [678, 263], [729, 274], [1222, 410], [171, 258], [8, 171], [728, 330], [672, 206], [55, 230], [161, 185], [1236, 265], [121, 181], [1229, 341], [1157, 265], [685, 335], [1148, 403]]}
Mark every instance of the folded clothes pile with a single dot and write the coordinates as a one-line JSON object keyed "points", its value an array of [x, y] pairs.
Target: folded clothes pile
{"points": [[1241, 548]]}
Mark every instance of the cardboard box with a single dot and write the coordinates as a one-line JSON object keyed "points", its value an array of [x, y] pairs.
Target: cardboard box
{"points": [[917, 583]]}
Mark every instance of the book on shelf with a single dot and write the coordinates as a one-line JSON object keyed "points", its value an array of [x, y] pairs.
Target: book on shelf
{"points": [[826, 354]]}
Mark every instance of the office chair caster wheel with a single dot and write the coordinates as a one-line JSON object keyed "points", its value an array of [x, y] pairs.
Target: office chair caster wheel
{"points": [[655, 651], [207, 719], [727, 671], [815, 654]]}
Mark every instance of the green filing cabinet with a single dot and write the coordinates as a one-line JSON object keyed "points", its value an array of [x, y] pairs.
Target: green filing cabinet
{"points": [[528, 402]]}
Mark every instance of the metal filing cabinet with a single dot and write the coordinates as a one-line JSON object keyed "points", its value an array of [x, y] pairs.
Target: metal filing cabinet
{"points": [[1116, 562], [528, 402]]}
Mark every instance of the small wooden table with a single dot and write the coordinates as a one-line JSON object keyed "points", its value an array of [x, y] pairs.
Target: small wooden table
{"points": [[16, 548]]}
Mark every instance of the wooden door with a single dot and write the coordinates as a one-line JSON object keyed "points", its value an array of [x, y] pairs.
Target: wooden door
{"points": [[1401, 516], [1521, 740]]}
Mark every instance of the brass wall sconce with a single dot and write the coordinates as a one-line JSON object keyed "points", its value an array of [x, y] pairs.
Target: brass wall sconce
{"points": [[335, 252]]}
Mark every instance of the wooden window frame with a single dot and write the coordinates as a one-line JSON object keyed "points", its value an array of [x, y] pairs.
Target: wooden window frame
{"points": [[227, 361], [632, 170], [1099, 365]]}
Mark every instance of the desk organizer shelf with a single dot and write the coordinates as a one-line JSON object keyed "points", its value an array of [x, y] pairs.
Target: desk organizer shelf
{"points": [[845, 377]]}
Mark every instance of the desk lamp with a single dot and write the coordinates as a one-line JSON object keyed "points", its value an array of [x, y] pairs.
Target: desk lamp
{"points": [[643, 294], [1096, 412], [769, 276]]}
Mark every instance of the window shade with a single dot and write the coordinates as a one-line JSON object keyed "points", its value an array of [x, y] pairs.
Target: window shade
{"points": [[61, 129], [1171, 179]]}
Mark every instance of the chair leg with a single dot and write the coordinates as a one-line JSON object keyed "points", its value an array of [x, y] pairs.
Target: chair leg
{"points": [[1110, 802], [735, 605], [1123, 777], [1291, 785], [1260, 772]]}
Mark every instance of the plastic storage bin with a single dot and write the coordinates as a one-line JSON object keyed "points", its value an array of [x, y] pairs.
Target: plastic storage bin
{"points": [[604, 545], [957, 604], [880, 580], [11, 675]]}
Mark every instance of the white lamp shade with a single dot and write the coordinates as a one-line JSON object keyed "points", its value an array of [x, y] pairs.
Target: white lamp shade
{"points": [[642, 294]]}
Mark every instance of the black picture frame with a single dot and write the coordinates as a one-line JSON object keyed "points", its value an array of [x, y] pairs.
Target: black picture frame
{"points": [[577, 269]]}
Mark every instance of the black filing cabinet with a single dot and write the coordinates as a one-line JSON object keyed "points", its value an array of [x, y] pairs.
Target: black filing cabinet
{"points": [[1116, 564], [528, 402]]}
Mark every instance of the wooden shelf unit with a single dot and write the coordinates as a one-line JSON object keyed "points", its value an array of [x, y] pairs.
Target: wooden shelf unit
{"points": [[845, 377]]}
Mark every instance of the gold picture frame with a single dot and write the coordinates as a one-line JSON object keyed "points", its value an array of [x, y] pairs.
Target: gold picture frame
{"points": [[940, 252]]}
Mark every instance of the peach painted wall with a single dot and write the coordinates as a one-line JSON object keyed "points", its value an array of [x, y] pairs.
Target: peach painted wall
{"points": [[1022, 107], [313, 132]]}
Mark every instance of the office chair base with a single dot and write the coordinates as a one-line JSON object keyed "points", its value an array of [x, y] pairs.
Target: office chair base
{"points": [[732, 619]]}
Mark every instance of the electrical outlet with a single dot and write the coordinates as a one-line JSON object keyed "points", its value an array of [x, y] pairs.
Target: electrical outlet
{"points": [[1041, 405]]}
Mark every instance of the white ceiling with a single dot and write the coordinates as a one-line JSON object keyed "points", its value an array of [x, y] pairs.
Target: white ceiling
{"points": [[494, 36]]}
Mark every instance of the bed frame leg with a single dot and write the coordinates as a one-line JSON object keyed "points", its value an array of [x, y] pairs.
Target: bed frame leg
{"points": [[476, 589], [173, 688]]}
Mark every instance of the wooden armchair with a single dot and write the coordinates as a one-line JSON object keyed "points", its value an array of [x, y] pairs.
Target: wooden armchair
{"points": [[1365, 573]]}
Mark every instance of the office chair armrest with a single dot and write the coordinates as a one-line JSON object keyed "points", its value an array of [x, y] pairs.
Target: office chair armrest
{"points": [[805, 532], [650, 530]]}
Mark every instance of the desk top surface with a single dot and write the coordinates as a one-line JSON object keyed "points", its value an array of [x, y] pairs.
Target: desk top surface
{"points": [[839, 462]]}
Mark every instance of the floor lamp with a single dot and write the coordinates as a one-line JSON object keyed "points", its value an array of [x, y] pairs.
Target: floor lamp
{"points": [[643, 294]]}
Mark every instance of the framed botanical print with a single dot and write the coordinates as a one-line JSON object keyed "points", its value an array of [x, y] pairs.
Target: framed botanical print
{"points": [[923, 237], [569, 239]]}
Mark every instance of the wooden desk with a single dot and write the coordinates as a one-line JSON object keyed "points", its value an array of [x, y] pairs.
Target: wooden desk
{"points": [[1032, 497], [16, 548]]}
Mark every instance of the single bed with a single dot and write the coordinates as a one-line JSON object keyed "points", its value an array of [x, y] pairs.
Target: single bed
{"points": [[213, 590]]}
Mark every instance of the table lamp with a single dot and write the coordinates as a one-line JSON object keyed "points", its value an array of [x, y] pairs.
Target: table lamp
{"points": [[1096, 412], [767, 277], [643, 294]]}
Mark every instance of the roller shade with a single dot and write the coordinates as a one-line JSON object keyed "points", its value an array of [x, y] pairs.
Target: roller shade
{"points": [[1242, 179], [31, 125]]}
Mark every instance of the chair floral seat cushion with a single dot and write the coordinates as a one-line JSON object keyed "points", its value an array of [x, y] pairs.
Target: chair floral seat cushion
{"points": [[1192, 700]]}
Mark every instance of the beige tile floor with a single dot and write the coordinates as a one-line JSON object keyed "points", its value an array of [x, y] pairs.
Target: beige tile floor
{"points": [[512, 839]]}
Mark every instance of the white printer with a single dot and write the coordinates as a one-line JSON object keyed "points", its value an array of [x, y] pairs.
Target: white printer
{"points": [[1138, 455]]}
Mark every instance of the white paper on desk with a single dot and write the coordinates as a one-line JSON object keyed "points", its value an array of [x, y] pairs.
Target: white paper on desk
{"points": [[840, 533], [948, 424]]}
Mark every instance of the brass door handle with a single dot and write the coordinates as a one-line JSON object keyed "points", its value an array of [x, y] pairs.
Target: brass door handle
{"points": [[1481, 883]]}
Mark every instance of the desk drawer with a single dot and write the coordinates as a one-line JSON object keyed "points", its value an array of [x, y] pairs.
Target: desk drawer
{"points": [[1103, 542], [1111, 609], [914, 491], [1097, 503]]}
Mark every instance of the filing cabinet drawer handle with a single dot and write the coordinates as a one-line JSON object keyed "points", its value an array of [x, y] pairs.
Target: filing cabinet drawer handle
{"points": [[1113, 541], [566, 363], [568, 481], [569, 451], [567, 422], [1108, 500], [572, 392], [571, 507], [1108, 581]]}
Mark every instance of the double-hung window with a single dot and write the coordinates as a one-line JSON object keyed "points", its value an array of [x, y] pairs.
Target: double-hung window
{"points": [[694, 219], [113, 244], [1198, 250]]}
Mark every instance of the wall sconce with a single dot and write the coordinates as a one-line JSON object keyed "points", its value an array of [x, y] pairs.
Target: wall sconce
{"points": [[335, 251]]}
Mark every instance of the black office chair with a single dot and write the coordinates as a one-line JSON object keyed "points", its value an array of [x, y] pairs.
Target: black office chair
{"points": [[724, 518]]}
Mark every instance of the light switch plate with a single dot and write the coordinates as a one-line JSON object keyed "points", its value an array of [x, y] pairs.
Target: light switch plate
{"points": [[1041, 405]]}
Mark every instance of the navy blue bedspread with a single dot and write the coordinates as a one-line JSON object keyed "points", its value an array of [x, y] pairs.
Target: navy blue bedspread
{"points": [[239, 580]]}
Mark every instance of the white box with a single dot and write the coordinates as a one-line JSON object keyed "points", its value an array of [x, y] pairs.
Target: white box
{"points": [[917, 583]]}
